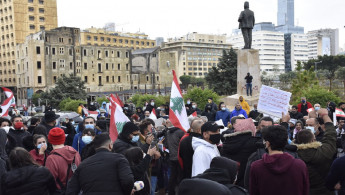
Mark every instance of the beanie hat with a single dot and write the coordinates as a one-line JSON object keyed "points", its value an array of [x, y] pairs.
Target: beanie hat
{"points": [[56, 136], [245, 125], [129, 128], [230, 166]]}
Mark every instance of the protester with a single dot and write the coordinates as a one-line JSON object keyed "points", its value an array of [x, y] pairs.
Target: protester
{"points": [[340, 130], [103, 173], [209, 113], [34, 121], [198, 186], [304, 106], [283, 173], [238, 111], [205, 149], [318, 156], [185, 149], [254, 113], [295, 114], [49, 121], [88, 150], [195, 108], [150, 106], [244, 104], [223, 114], [140, 113], [298, 127], [62, 160], [18, 132], [314, 126], [211, 104], [40, 153], [264, 122], [336, 176], [3, 154], [26, 176], [4, 122]]}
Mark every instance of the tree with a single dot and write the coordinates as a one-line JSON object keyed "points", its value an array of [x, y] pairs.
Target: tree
{"points": [[318, 94], [66, 87], [304, 80], [223, 78], [185, 80], [286, 79], [340, 74], [200, 96]]}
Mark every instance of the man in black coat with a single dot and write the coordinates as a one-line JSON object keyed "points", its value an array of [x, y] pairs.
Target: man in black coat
{"points": [[185, 149], [103, 173]]}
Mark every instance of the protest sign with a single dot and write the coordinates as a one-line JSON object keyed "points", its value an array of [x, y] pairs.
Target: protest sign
{"points": [[273, 101]]}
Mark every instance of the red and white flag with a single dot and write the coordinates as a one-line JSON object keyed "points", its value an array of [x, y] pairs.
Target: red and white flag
{"points": [[339, 113], [310, 109], [118, 98], [153, 115], [10, 101], [177, 112], [86, 111], [194, 114], [117, 118]]}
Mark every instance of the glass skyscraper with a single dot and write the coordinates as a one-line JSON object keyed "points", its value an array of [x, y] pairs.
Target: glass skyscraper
{"points": [[286, 13]]}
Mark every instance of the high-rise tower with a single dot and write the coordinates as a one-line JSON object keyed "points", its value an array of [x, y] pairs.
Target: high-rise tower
{"points": [[286, 12]]}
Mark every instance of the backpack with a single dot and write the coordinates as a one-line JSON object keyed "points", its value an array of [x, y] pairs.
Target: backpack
{"points": [[73, 167]]}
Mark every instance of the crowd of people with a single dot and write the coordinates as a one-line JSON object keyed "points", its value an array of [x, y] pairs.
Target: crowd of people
{"points": [[224, 152]]}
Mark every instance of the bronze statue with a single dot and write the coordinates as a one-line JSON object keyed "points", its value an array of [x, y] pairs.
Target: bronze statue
{"points": [[247, 21]]}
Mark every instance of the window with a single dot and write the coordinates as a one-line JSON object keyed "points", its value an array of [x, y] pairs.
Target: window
{"points": [[127, 66], [38, 50], [42, 27], [154, 55], [61, 50], [31, 9], [127, 54], [60, 40], [100, 80], [32, 27], [70, 52], [30, 1], [99, 67], [71, 65], [113, 79], [41, 19], [119, 79], [53, 50], [118, 54], [84, 52], [41, 10], [54, 79], [147, 78], [102, 39], [41, 2], [95, 38], [157, 78], [62, 63], [47, 50], [31, 18], [106, 54], [107, 79], [85, 79], [88, 37], [54, 65], [85, 66], [106, 66], [38, 64], [118, 66], [39, 79], [114, 40]]}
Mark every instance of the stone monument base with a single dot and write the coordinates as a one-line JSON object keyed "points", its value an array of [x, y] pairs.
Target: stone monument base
{"points": [[230, 101]]}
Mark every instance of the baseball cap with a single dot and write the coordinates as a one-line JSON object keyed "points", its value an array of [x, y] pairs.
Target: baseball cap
{"points": [[210, 126]]}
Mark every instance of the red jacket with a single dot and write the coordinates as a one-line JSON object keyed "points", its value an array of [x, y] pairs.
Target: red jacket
{"points": [[58, 165], [39, 158], [299, 106]]}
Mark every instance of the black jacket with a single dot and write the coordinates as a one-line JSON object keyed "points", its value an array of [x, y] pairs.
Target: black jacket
{"points": [[103, 173], [27, 180], [140, 174], [173, 137], [186, 153], [18, 135], [122, 144], [210, 115], [238, 147]]}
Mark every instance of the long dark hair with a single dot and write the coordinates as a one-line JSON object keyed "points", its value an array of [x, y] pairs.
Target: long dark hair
{"points": [[134, 155], [19, 157]]}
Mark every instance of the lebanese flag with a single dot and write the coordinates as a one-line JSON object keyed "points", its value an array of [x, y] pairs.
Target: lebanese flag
{"points": [[118, 98], [86, 111], [117, 120], [10, 101], [339, 113], [93, 114], [153, 115], [310, 109], [177, 110], [194, 114]]}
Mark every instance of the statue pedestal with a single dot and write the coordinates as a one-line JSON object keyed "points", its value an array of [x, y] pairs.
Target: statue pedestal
{"points": [[247, 61]]}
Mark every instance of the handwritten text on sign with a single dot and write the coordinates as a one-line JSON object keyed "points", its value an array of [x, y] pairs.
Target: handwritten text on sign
{"points": [[273, 101]]}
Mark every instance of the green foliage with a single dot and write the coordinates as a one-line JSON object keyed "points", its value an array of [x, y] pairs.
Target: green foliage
{"points": [[223, 78], [62, 105], [66, 86], [187, 80], [35, 98], [285, 80], [317, 94], [340, 74], [305, 79], [140, 99], [200, 96], [102, 99], [73, 105]]}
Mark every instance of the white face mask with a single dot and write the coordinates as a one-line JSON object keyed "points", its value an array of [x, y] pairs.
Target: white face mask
{"points": [[312, 129], [152, 103], [6, 128]]}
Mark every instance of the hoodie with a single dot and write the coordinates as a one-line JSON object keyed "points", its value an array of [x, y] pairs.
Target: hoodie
{"points": [[204, 152], [244, 105], [238, 112], [58, 163], [283, 173]]}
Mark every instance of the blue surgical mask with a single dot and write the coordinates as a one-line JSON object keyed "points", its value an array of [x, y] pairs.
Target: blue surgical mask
{"points": [[135, 139], [87, 139], [40, 145], [89, 126], [223, 108], [317, 108], [194, 106], [152, 103], [312, 129], [303, 101], [188, 102]]}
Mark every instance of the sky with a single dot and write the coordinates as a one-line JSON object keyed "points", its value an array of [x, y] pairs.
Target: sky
{"points": [[176, 18]]}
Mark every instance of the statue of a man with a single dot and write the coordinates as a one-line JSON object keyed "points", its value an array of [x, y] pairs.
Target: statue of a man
{"points": [[247, 21]]}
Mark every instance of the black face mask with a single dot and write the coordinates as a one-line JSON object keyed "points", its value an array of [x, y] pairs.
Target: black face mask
{"points": [[215, 138]]}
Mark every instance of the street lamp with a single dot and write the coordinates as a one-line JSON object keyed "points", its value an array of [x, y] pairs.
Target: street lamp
{"points": [[316, 64]]}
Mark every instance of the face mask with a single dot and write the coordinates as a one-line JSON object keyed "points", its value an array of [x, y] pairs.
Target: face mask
{"points": [[144, 108], [303, 101], [72, 122], [223, 108], [6, 128], [188, 102], [40, 145], [152, 103], [194, 106], [89, 126], [18, 125], [317, 108], [135, 139], [215, 138], [87, 139], [209, 101], [311, 129], [126, 108], [241, 100], [162, 109]]}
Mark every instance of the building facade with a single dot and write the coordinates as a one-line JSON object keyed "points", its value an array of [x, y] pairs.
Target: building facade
{"points": [[196, 53], [296, 49], [20, 18], [286, 12], [103, 37], [271, 49], [323, 42]]}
